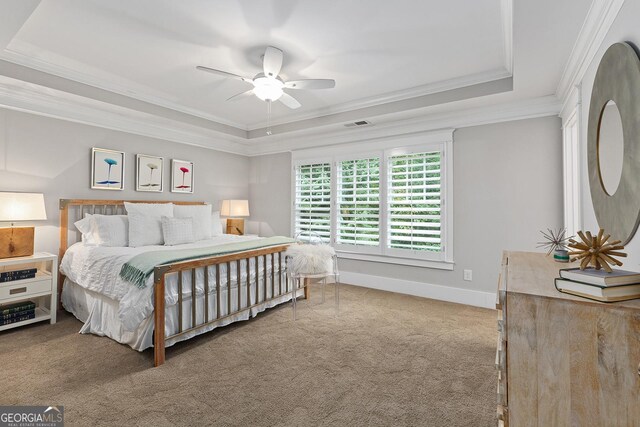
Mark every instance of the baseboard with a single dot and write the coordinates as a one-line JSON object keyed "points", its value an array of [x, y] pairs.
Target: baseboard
{"points": [[419, 289]]}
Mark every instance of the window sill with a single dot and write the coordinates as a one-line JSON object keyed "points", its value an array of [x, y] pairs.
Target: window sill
{"points": [[440, 265]]}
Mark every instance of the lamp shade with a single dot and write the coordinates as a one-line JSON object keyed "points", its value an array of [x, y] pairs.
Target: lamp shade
{"points": [[22, 207], [235, 208]]}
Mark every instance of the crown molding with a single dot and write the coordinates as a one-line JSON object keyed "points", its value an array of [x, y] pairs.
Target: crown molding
{"points": [[116, 84], [518, 110], [27, 97], [124, 87], [401, 107], [506, 10], [600, 17], [400, 95], [572, 101]]}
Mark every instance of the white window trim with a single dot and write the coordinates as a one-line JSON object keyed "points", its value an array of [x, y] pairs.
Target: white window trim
{"points": [[571, 133], [419, 142]]}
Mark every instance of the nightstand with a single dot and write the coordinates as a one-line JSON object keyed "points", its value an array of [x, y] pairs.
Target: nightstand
{"points": [[42, 289]]}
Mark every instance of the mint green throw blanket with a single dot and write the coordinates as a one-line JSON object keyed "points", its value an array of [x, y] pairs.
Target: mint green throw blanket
{"points": [[138, 269]]}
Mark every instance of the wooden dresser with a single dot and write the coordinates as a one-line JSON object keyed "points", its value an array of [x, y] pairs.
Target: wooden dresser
{"points": [[563, 360]]}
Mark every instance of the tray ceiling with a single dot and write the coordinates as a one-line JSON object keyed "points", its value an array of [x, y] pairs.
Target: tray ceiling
{"points": [[379, 52]]}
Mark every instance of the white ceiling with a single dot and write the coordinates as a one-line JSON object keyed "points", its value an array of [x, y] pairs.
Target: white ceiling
{"points": [[377, 51]]}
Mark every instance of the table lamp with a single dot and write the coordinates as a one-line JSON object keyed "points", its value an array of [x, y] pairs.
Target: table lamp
{"points": [[233, 209], [18, 241]]}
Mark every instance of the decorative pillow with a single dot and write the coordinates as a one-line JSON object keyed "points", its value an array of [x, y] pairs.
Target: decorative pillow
{"points": [[86, 227], [145, 222], [177, 231], [202, 219], [111, 230], [311, 259], [217, 227]]}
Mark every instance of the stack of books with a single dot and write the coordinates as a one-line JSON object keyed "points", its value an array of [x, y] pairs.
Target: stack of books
{"points": [[17, 312], [9, 276], [619, 285]]}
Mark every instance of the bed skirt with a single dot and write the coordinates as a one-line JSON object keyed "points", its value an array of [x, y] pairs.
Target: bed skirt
{"points": [[100, 315]]}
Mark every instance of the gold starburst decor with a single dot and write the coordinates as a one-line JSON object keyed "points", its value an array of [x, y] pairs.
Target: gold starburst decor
{"points": [[596, 251]]}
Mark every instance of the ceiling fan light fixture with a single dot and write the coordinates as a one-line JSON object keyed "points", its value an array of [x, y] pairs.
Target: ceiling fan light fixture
{"points": [[268, 88]]}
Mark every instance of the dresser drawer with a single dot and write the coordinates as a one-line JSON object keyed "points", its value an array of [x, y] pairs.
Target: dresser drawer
{"points": [[21, 289]]}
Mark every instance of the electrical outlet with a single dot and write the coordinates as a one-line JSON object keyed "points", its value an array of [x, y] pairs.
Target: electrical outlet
{"points": [[468, 275]]}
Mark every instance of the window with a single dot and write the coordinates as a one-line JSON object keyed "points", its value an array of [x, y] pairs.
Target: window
{"points": [[413, 202], [358, 203], [383, 204], [313, 201]]}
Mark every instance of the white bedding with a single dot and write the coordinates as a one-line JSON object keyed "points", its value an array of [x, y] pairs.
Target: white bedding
{"points": [[97, 268]]}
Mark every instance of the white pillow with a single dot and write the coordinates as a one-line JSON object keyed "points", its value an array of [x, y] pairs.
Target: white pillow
{"points": [[104, 230], [216, 229], [145, 222], [202, 220], [177, 231], [111, 230], [86, 227]]}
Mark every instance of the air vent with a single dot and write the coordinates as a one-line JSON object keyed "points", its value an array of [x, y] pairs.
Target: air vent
{"points": [[358, 123]]}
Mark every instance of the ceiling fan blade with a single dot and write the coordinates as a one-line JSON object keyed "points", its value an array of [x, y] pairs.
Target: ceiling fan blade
{"points": [[241, 95], [289, 101], [272, 61], [311, 84], [223, 73]]}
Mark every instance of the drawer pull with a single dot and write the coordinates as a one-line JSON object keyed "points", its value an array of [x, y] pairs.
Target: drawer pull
{"points": [[638, 368], [17, 291]]}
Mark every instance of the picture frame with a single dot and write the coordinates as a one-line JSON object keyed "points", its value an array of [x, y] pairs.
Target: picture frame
{"points": [[149, 173], [107, 169], [181, 176]]}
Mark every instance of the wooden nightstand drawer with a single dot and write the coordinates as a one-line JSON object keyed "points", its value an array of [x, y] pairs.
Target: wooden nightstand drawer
{"points": [[25, 288]]}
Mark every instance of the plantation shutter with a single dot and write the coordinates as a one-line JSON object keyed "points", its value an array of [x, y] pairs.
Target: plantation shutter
{"points": [[358, 202], [313, 201], [414, 202]]}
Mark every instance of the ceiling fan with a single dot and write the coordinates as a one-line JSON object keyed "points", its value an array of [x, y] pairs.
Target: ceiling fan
{"points": [[268, 86]]}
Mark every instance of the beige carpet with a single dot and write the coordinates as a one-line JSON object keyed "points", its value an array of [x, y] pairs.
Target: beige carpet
{"points": [[386, 359]]}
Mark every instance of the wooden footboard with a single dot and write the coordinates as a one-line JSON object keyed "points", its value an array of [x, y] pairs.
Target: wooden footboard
{"points": [[72, 210], [274, 280]]}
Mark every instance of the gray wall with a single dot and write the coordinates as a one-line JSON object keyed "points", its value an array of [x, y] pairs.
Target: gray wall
{"points": [[52, 156], [624, 28], [270, 194], [507, 187]]}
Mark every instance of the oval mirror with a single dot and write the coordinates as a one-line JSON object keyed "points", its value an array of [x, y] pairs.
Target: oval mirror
{"points": [[610, 148]]}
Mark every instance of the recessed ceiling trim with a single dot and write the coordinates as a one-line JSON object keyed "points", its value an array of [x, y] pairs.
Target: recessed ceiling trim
{"points": [[30, 75], [428, 89], [503, 112], [34, 99], [506, 9], [457, 94], [124, 87]]}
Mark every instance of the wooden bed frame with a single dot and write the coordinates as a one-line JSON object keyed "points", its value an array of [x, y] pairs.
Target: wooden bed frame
{"points": [[272, 254]]}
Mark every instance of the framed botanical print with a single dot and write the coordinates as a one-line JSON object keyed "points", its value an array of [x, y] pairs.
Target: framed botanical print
{"points": [[149, 172], [107, 169], [181, 176]]}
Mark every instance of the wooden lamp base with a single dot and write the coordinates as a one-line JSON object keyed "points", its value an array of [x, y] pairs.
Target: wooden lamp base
{"points": [[235, 226], [16, 241]]}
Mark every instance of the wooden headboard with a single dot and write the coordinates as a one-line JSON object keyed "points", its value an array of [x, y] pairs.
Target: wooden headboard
{"points": [[71, 210], [74, 209]]}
